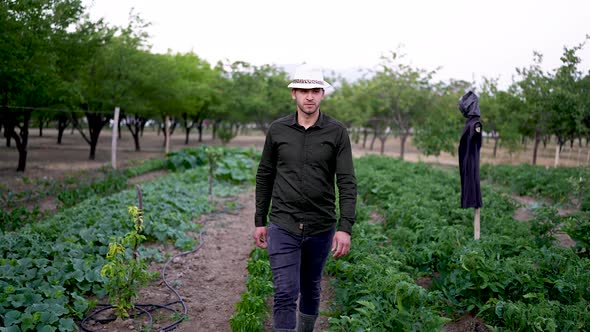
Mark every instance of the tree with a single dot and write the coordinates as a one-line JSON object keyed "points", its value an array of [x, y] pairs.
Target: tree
{"points": [[196, 91], [405, 95], [534, 92], [566, 111], [500, 115], [440, 129], [350, 104], [255, 94], [109, 78], [29, 41]]}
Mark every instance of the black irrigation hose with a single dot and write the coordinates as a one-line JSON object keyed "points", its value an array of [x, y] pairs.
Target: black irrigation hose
{"points": [[146, 309]]}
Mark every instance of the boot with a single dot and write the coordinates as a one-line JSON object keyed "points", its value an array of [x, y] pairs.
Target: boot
{"points": [[305, 323]]}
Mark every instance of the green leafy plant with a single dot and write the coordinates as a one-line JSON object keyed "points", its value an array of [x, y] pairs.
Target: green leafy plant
{"points": [[252, 308], [226, 133], [213, 156], [580, 184], [126, 275]]}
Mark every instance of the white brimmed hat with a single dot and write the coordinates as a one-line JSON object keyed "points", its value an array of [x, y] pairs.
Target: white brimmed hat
{"points": [[308, 77]]}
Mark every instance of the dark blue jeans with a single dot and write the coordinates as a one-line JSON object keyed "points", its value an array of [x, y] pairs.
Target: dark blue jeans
{"points": [[297, 263]]}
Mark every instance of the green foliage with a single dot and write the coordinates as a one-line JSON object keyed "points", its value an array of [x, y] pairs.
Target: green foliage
{"points": [[513, 277], [71, 190], [577, 226], [545, 225], [251, 310], [113, 182], [125, 275], [140, 167], [186, 159], [11, 220], [48, 268], [231, 164], [580, 184], [213, 156], [226, 133], [554, 183]]}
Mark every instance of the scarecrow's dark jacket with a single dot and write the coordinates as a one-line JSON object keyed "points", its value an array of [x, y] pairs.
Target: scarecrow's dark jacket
{"points": [[469, 147]]}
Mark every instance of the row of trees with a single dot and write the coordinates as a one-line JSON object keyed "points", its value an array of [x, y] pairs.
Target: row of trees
{"points": [[59, 67], [397, 99]]}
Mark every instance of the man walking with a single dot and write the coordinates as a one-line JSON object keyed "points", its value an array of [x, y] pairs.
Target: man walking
{"points": [[304, 155]]}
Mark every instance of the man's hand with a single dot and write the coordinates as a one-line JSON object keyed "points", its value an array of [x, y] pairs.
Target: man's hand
{"points": [[340, 244], [260, 237]]}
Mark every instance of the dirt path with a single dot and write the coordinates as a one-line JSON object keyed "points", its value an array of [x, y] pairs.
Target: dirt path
{"points": [[212, 279]]}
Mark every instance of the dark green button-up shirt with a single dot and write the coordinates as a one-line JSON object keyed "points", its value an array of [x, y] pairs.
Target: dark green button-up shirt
{"points": [[297, 172]]}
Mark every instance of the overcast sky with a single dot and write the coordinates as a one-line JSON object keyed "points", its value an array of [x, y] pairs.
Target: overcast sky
{"points": [[466, 39]]}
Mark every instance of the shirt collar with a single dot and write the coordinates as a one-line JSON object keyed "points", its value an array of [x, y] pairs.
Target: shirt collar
{"points": [[321, 121]]}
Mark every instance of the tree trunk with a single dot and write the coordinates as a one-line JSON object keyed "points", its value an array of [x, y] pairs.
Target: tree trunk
{"points": [[167, 133], [62, 124], [402, 151], [382, 139], [187, 127], [544, 142], [200, 129], [536, 145], [365, 135], [558, 148], [186, 135], [94, 135], [143, 123], [135, 126], [96, 122], [373, 140], [21, 140], [7, 125], [214, 130], [496, 140]]}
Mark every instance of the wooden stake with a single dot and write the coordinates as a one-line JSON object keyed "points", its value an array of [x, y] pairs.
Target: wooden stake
{"points": [[476, 224], [114, 139]]}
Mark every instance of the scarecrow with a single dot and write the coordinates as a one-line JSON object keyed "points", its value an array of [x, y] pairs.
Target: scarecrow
{"points": [[469, 147]]}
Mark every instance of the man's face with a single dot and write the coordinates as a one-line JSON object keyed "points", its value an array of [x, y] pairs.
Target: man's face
{"points": [[308, 100]]}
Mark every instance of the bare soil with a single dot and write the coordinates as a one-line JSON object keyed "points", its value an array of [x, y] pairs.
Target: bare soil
{"points": [[211, 279]]}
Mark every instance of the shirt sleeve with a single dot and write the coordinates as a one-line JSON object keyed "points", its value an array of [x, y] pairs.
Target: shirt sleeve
{"points": [[265, 178], [346, 181]]}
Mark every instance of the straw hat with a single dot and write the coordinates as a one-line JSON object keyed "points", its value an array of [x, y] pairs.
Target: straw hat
{"points": [[308, 77]]}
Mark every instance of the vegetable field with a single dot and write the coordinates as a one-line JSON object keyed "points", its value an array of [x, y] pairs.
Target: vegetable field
{"points": [[417, 268], [414, 264], [51, 276]]}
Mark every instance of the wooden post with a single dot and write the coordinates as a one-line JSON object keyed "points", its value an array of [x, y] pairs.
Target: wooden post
{"points": [[556, 162], [167, 133], [114, 138], [476, 224]]}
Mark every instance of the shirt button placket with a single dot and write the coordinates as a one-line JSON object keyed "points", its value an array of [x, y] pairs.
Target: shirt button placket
{"points": [[303, 180]]}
